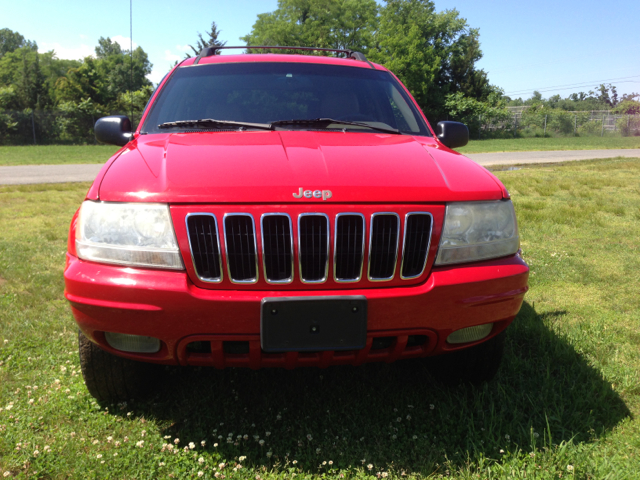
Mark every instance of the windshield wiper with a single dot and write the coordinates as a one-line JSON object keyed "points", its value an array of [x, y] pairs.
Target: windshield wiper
{"points": [[325, 122], [212, 121]]}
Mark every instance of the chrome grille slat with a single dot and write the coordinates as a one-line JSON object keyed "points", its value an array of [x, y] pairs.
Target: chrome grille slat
{"points": [[348, 251], [313, 247], [241, 252], [417, 240], [383, 246], [277, 247], [202, 231]]}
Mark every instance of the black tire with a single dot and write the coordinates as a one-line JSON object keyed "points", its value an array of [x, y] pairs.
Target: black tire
{"points": [[474, 365], [113, 379]]}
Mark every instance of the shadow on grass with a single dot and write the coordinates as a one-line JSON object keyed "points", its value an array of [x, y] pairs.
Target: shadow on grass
{"points": [[393, 416]]}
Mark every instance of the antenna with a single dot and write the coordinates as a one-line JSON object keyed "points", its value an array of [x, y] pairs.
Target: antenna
{"points": [[131, 57]]}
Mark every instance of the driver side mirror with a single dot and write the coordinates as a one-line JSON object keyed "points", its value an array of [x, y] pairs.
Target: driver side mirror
{"points": [[452, 134], [114, 130]]}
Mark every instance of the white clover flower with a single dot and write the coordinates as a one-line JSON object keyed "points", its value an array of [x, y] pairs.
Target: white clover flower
{"points": [[201, 460], [46, 448], [221, 465], [115, 454], [317, 450], [330, 462], [501, 451], [31, 401], [143, 433], [536, 434], [369, 466], [432, 406], [294, 462], [176, 441], [215, 445], [167, 437], [415, 437], [161, 464], [36, 453], [117, 444], [99, 455], [261, 442], [384, 474], [309, 437], [267, 434], [324, 463], [6, 474], [203, 443], [398, 419], [242, 458], [269, 454], [96, 442], [192, 445], [570, 468], [245, 437], [200, 474], [140, 444], [408, 417], [217, 474], [507, 437]]}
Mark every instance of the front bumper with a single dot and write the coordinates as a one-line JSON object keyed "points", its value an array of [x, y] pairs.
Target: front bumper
{"points": [[168, 306]]}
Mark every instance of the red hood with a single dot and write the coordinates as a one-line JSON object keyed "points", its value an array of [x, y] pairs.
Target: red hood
{"points": [[269, 167]]}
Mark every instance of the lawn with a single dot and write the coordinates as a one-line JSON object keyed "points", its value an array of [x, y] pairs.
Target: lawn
{"points": [[540, 144], [55, 154], [565, 403], [60, 154]]}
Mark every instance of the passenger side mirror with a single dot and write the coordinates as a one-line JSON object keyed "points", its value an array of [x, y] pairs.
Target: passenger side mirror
{"points": [[453, 134], [114, 130]]}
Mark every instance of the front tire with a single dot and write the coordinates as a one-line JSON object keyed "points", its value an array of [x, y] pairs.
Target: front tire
{"points": [[474, 365], [110, 378]]}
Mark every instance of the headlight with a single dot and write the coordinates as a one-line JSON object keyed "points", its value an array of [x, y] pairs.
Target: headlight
{"points": [[478, 231], [134, 234]]}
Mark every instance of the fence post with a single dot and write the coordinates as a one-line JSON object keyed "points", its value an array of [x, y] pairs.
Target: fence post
{"points": [[545, 126], [33, 127], [575, 125], [515, 125], [479, 125], [602, 131]]}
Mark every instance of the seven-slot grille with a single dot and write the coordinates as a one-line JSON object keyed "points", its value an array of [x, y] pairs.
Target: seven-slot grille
{"points": [[313, 246]]}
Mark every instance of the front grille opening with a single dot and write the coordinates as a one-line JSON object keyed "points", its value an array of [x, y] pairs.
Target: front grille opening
{"points": [[380, 343], [199, 347], [205, 246], [383, 251], [417, 340], [416, 244], [313, 252], [277, 253], [236, 347], [241, 248], [349, 247]]}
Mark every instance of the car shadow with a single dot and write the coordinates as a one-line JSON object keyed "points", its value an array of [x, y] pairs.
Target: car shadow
{"points": [[392, 416]]}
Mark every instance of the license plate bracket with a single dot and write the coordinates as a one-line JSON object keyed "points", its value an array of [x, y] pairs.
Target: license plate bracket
{"points": [[313, 323]]}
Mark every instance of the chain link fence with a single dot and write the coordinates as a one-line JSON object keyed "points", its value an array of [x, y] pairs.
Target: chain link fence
{"points": [[32, 127], [556, 124]]}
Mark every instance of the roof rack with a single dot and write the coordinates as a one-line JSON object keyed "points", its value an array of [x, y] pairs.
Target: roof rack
{"points": [[209, 51]]}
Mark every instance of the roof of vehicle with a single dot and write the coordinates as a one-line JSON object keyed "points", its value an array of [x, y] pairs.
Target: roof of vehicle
{"points": [[281, 58]]}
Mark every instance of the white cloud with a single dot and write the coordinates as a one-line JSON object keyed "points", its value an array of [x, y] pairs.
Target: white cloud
{"points": [[84, 37], [74, 53], [156, 75], [171, 56], [124, 42], [184, 48]]}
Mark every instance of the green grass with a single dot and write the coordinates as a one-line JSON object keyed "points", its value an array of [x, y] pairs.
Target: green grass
{"points": [[55, 154], [61, 154], [565, 403], [540, 144]]}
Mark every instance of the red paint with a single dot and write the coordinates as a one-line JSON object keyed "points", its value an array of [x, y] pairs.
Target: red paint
{"points": [[258, 172]]}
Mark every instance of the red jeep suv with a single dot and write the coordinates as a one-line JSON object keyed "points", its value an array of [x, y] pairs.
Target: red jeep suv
{"points": [[281, 210]]}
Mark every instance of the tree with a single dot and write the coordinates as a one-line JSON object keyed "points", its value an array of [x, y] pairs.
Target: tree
{"points": [[433, 53], [11, 41], [339, 24], [212, 41]]}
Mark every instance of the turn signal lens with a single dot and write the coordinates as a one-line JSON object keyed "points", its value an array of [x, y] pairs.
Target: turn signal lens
{"points": [[470, 334], [132, 343]]}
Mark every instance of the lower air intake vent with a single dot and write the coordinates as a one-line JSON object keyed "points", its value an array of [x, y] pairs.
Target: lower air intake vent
{"points": [[383, 246], [349, 247], [277, 248], [205, 246], [417, 237], [240, 245], [313, 248]]}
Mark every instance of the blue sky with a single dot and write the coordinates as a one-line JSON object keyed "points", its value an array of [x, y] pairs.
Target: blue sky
{"points": [[557, 47]]}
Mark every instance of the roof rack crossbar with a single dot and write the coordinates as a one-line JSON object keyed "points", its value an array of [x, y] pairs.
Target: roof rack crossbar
{"points": [[209, 51]]}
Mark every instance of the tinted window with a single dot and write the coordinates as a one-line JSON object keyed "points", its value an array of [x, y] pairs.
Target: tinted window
{"points": [[266, 92]]}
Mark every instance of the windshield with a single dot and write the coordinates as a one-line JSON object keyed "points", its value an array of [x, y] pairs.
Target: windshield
{"points": [[272, 92]]}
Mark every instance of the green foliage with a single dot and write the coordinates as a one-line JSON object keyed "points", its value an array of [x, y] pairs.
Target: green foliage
{"points": [[211, 41], [340, 24], [628, 107], [475, 113], [10, 41]]}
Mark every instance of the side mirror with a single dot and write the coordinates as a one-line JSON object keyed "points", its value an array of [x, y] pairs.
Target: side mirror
{"points": [[115, 130], [453, 134]]}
